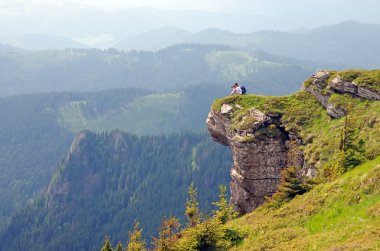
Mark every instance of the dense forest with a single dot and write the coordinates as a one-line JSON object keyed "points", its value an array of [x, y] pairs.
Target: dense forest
{"points": [[109, 180], [33, 139]]}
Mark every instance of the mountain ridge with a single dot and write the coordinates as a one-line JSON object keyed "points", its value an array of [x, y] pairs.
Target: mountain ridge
{"points": [[134, 174], [340, 43]]}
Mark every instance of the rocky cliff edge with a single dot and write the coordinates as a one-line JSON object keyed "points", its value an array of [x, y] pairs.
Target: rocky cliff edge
{"points": [[268, 134]]}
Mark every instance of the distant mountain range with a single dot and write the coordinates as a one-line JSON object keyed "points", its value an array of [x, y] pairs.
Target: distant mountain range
{"points": [[8, 48], [40, 41], [74, 22], [347, 43]]}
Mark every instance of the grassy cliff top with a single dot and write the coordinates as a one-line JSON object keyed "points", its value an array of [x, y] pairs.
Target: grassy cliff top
{"points": [[322, 136]]}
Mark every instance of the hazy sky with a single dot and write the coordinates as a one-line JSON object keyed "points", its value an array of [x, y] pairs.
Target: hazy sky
{"points": [[247, 6], [210, 5]]}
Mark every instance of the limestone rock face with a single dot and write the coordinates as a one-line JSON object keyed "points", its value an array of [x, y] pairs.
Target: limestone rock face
{"points": [[338, 84], [322, 90], [259, 152], [320, 79], [261, 147], [368, 93]]}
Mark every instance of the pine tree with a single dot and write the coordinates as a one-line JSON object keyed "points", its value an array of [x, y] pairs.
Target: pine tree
{"points": [[107, 245], [119, 247], [290, 186], [192, 209], [350, 144], [136, 243], [168, 234], [225, 211]]}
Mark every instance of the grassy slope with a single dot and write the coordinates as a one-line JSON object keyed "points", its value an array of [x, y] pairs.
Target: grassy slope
{"points": [[343, 214], [136, 117]]}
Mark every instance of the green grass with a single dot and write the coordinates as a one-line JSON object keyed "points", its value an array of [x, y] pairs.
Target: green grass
{"points": [[146, 115], [343, 214], [239, 65], [71, 117], [370, 79], [194, 164]]}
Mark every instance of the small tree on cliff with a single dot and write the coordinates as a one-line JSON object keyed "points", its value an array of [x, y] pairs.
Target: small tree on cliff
{"points": [[290, 186], [350, 144], [192, 207], [225, 211]]}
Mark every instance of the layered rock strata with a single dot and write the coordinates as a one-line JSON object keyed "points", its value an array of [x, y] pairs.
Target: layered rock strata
{"points": [[259, 152], [322, 89]]}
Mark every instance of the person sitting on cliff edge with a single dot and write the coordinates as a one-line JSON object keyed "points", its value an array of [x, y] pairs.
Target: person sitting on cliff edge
{"points": [[236, 90]]}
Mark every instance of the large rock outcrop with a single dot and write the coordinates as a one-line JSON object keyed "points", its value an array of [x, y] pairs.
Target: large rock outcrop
{"points": [[260, 152], [320, 86], [261, 147]]}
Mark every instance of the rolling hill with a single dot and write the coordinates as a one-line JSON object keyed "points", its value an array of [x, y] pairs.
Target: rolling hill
{"points": [[348, 44], [37, 42]]}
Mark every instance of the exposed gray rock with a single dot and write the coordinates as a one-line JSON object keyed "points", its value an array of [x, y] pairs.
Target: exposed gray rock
{"points": [[216, 126], [226, 109], [258, 115], [323, 94], [258, 157], [368, 93], [323, 98], [339, 85], [322, 90], [320, 79]]}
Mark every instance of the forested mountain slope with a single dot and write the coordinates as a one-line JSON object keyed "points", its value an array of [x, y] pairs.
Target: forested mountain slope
{"points": [[109, 180], [36, 130]]}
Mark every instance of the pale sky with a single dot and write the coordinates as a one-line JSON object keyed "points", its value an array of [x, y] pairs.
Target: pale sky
{"points": [[231, 6], [208, 5], [257, 7]]}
